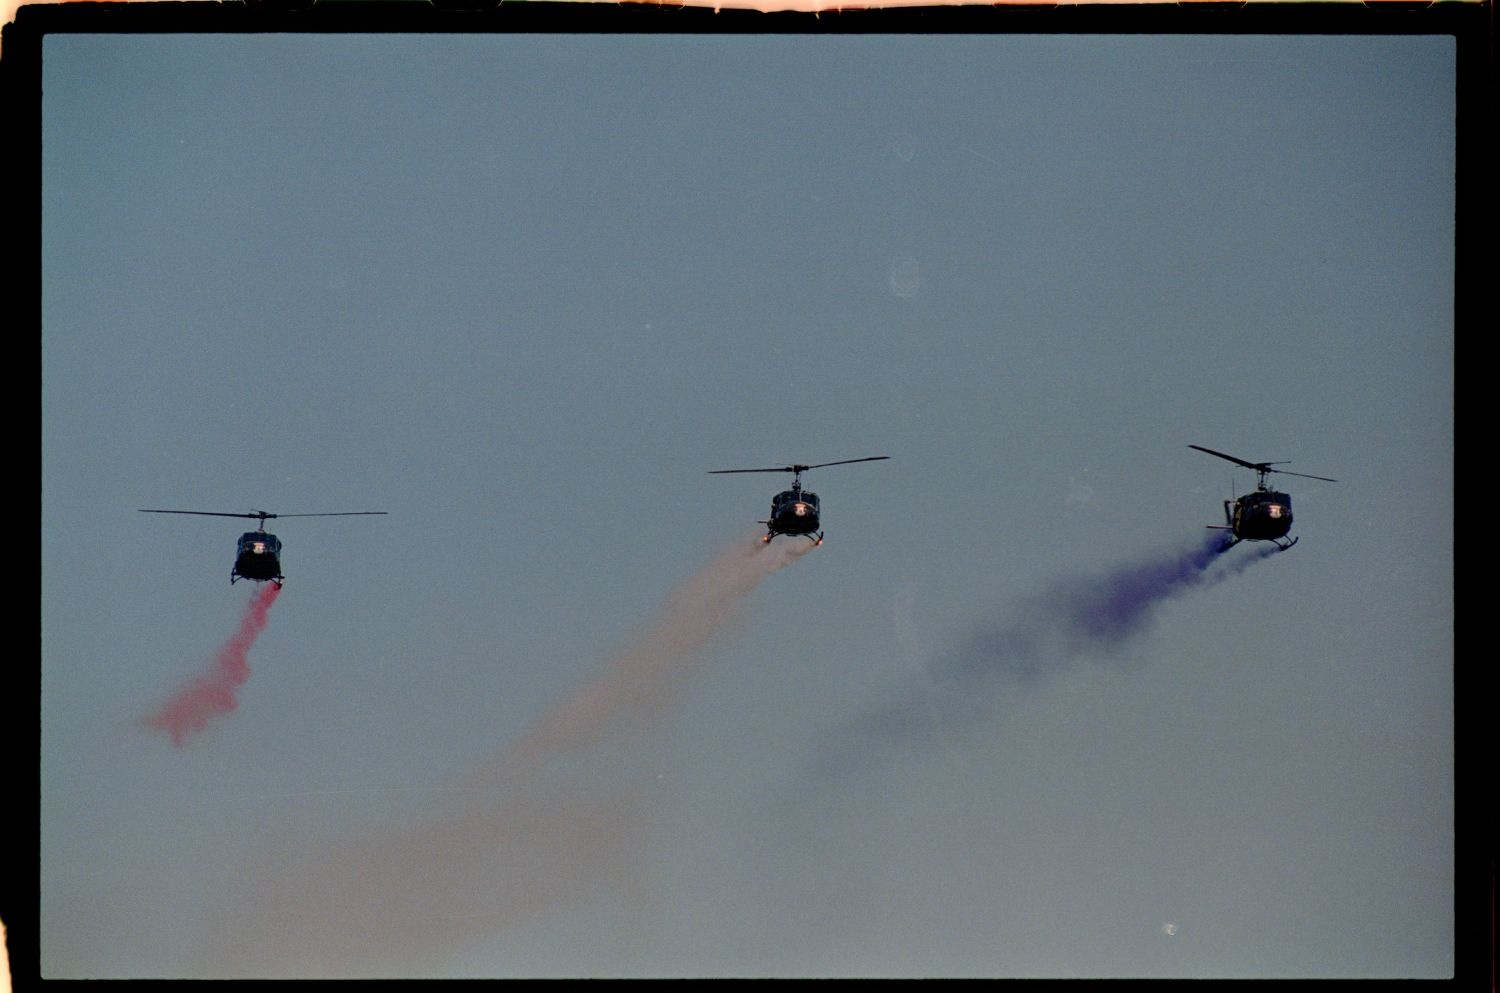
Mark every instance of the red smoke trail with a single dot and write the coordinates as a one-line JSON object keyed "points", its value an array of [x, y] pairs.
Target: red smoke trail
{"points": [[212, 693]]}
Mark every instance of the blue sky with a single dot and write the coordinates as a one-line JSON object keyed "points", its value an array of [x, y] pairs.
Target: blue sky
{"points": [[523, 292]]}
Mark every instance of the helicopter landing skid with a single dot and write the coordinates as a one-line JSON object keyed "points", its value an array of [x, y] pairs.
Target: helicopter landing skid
{"points": [[1236, 539], [816, 539]]}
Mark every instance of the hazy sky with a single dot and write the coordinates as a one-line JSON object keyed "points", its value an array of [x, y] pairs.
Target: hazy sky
{"points": [[558, 714]]}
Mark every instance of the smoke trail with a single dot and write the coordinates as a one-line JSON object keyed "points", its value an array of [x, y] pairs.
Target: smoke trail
{"points": [[513, 845], [212, 693], [641, 680], [1072, 619], [391, 904]]}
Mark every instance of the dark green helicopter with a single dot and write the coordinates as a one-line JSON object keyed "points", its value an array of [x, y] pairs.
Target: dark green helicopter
{"points": [[1264, 515], [796, 511], [257, 556]]}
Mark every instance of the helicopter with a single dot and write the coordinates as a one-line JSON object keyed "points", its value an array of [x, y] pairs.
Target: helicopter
{"points": [[1264, 515], [257, 555], [795, 511]]}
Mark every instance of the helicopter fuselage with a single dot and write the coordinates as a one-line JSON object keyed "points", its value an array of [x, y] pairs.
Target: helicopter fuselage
{"points": [[1264, 515], [258, 557], [793, 511]]}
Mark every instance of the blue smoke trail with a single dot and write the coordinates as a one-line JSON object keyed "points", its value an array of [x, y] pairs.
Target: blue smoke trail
{"points": [[1074, 618]]}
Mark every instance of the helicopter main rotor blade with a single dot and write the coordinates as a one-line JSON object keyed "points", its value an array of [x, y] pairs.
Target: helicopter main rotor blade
{"points": [[801, 468], [719, 472], [1288, 472], [872, 458], [1262, 466], [340, 513], [1257, 466], [207, 513], [259, 515]]}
